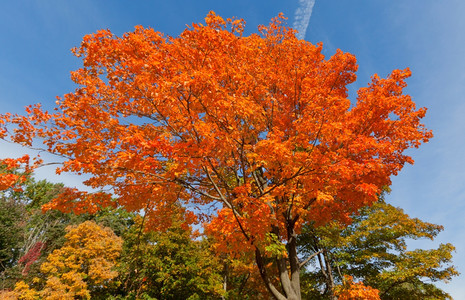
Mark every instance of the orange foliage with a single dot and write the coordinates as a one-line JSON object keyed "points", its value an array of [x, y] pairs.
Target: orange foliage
{"points": [[355, 291], [11, 179], [259, 126]]}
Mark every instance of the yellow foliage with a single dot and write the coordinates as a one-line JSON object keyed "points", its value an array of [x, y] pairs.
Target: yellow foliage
{"points": [[86, 259], [22, 291]]}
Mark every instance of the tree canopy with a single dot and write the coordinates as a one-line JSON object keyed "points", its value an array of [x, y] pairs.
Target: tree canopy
{"points": [[85, 261], [259, 127], [374, 249]]}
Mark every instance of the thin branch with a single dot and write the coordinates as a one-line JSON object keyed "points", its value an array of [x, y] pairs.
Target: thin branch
{"points": [[230, 206], [217, 189], [309, 258]]}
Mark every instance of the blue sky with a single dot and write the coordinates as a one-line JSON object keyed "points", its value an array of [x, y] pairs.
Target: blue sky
{"points": [[425, 35]]}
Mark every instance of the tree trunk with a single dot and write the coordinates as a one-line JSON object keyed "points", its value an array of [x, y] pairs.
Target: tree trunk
{"points": [[225, 280], [293, 260], [289, 269], [329, 278]]}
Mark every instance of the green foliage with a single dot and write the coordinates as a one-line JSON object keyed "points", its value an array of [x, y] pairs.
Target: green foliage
{"points": [[12, 211], [374, 249], [11, 232], [40, 192], [274, 247], [168, 265]]}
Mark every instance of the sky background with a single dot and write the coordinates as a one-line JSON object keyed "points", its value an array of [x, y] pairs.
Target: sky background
{"points": [[425, 35]]}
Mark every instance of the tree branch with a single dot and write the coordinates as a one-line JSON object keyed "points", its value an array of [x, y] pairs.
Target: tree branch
{"points": [[309, 258]]}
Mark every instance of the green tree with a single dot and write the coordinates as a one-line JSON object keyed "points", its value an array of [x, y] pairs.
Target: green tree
{"points": [[169, 264], [11, 231], [12, 210], [374, 249], [38, 233]]}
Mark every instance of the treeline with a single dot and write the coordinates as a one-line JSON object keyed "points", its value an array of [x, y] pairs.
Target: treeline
{"points": [[111, 255]]}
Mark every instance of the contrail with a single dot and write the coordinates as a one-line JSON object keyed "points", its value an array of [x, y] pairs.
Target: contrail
{"points": [[302, 17]]}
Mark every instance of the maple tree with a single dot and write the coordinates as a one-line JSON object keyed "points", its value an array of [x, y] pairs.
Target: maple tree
{"points": [[259, 127]]}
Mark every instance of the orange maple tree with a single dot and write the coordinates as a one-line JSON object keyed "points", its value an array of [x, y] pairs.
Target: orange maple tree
{"points": [[259, 127]]}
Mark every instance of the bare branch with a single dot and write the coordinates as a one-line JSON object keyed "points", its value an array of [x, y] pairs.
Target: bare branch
{"points": [[309, 258]]}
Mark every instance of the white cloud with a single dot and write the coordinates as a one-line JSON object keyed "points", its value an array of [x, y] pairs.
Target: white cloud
{"points": [[302, 17]]}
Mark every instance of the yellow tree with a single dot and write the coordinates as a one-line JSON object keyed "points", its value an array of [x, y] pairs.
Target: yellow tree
{"points": [[84, 263], [374, 249], [257, 126]]}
